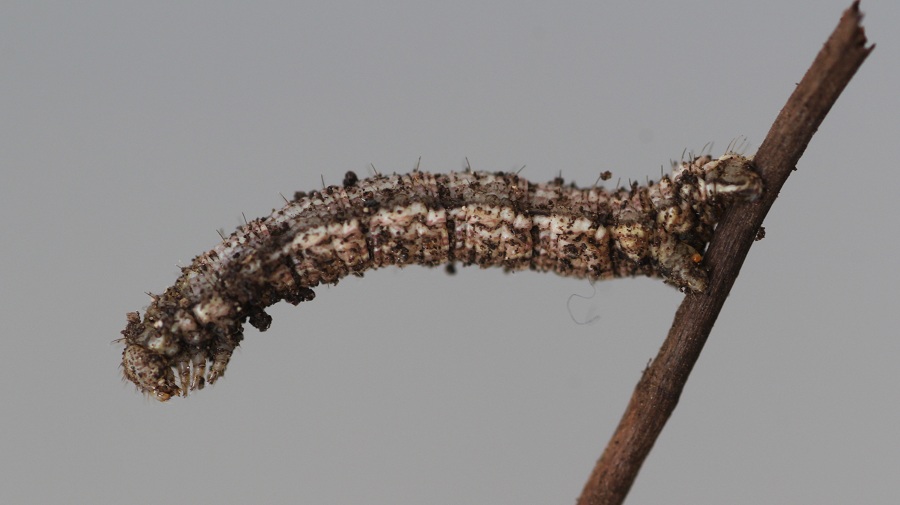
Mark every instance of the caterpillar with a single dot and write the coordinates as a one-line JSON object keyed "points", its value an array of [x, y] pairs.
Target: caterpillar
{"points": [[189, 332]]}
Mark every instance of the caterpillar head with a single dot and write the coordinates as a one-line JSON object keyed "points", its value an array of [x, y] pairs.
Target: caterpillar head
{"points": [[146, 361], [158, 350], [150, 372]]}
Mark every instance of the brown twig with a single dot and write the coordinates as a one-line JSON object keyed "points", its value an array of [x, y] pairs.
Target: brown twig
{"points": [[658, 391]]}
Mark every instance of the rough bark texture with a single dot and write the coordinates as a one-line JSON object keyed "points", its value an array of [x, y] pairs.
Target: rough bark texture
{"points": [[660, 387]]}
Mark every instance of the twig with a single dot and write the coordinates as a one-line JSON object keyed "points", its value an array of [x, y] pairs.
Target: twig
{"points": [[661, 384]]}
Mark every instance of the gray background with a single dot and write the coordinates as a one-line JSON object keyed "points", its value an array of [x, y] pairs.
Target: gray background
{"points": [[131, 133]]}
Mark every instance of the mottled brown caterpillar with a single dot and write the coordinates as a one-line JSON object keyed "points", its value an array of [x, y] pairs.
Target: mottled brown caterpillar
{"points": [[472, 218]]}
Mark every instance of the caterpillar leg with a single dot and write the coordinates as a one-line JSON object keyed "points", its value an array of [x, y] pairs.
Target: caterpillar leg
{"points": [[221, 358], [198, 378], [679, 263]]}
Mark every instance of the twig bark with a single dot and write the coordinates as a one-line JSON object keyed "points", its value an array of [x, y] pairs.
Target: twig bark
{"points": [[661, 384]]}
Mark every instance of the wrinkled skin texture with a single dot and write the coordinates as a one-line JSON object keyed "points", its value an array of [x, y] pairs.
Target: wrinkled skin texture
{"points": [[188, 333]]}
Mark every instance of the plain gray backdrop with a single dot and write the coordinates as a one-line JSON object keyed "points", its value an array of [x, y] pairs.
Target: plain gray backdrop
{"points": [[131, 132]]}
